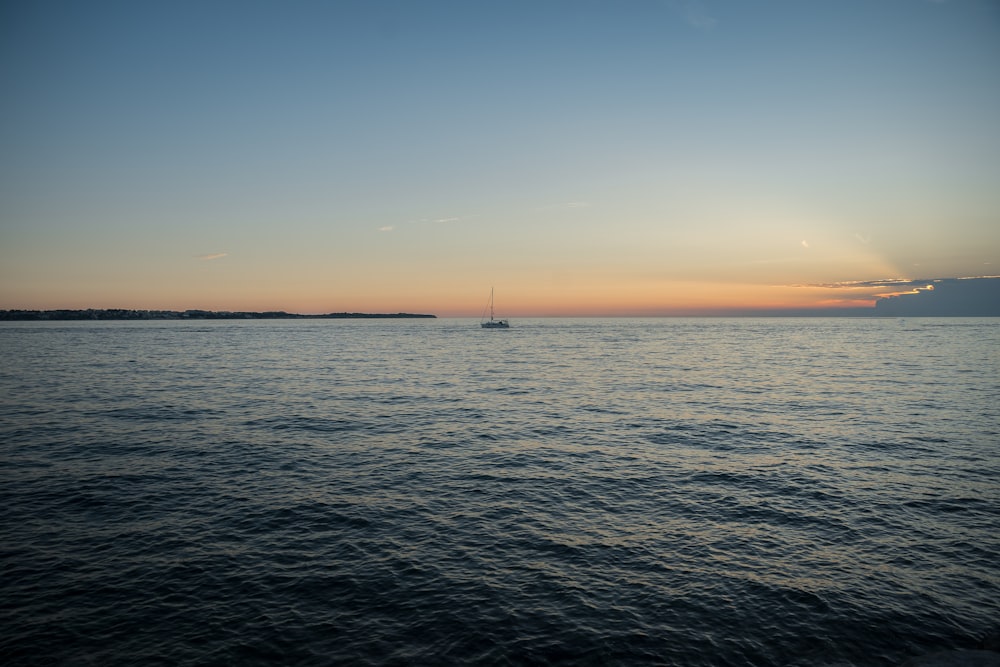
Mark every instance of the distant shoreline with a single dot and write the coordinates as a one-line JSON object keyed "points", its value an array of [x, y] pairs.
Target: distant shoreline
{"points": [[125, 314]]}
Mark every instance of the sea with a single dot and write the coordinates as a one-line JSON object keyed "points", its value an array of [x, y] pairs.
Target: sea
{"points": [[821, 491]]}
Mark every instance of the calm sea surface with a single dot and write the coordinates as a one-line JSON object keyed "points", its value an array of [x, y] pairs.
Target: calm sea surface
{"points": [[655, 491]]}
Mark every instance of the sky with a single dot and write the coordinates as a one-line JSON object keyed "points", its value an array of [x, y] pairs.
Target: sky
{"points": [[583, 157]]}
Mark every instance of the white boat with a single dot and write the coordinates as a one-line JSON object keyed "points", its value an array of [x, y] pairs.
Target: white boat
{"points": [[492, 323]]}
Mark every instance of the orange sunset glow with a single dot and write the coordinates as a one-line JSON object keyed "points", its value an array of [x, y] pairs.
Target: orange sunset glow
{"points": [[582, 160]]}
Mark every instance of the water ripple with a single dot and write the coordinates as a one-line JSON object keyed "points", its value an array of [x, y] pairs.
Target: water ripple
{"points": [[692, 492]]}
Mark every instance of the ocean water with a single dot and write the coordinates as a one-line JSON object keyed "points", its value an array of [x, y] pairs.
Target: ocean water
{"points": [[425, 492]]}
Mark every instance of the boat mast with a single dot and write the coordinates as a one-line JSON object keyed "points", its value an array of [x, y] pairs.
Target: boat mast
{"points": [[491, 304]]}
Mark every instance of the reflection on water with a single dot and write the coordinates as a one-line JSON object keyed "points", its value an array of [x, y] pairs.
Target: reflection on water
{"points": [[765, 492]]}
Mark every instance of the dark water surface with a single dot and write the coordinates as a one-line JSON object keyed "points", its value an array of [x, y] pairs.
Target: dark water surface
{"points": [[680, 492]]}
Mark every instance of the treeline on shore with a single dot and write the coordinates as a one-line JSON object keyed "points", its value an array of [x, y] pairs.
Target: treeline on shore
{"points": [[125, 314]]}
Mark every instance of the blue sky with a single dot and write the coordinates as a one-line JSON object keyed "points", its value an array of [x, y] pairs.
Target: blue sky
{"points": [[587, 157]]}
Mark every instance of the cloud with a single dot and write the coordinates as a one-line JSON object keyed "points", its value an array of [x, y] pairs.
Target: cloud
{"points": [[214, 255], [805, 244], [386, 228], [866, 284], [566, 205], [695, 13], [973, 296], [864, 240], [969, 297], [894, 283], [441, 221]]}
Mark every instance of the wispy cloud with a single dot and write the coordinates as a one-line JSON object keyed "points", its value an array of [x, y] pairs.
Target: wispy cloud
{"points": [[442, 221], [866, 290], [893, 283], [695, 13], [805, 244], [386, 228], [566, 205], [210, 256]]}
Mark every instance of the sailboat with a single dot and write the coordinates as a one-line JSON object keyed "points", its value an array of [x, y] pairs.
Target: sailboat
{"points": [[492, 323]]}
